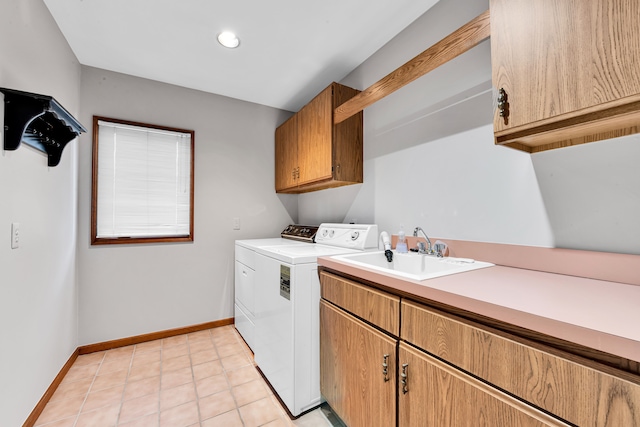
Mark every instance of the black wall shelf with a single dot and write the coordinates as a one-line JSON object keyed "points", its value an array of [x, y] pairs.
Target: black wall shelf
{"points": [[39, 121]]}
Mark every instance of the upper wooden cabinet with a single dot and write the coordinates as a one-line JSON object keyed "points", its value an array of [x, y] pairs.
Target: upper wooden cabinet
{"points": [[287, 153], [312, 153], [569, 69]]}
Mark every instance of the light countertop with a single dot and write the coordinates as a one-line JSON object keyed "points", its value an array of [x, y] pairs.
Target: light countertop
{"points": [[594, 313]]}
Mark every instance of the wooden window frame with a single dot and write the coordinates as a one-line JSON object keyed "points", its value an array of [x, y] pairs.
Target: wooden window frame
{"points": [[94, 188]]}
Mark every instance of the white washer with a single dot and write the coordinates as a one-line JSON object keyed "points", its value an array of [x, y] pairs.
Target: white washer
{"points": [[286, 328], [245, 273]]}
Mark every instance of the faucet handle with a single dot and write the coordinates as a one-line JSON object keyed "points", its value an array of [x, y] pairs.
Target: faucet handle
{"points": [[422, 247], [439, 247]]}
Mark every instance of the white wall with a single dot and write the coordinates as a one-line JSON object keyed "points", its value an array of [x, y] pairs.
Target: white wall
{"points": [[592, 194], [128, 290], [430, 160], [38, 296]]}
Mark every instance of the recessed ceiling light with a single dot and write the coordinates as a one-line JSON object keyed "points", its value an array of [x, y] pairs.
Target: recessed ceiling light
{"points": [[228, 39]]}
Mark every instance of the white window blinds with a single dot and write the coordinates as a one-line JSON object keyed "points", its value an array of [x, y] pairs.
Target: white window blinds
{"points": [[144, 182]]}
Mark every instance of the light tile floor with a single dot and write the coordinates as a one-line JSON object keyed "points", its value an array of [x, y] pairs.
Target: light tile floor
{"points": [[204, 379]]}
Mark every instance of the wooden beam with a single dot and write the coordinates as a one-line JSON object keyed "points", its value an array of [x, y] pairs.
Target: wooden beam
{"points": [[463, 39]]}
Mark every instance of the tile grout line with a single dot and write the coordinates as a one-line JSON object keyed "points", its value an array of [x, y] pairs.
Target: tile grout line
{"points": [[235, 401], [193, 376], [126, 381], [160, 382], [252, 365], [246, 351], [161, 376], [86, 395], [229, 385]]}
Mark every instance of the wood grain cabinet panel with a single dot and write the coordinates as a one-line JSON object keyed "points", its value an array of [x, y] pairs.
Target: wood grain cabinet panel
{"points": [[317, 153], [576, 390], [314, 157], [351, 372], [452, 371], [377, 307], [569, 69], [437, 395], [287, 154]]}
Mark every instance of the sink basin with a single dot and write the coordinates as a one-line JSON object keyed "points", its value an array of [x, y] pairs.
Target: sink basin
{"points": [[412, 265]]}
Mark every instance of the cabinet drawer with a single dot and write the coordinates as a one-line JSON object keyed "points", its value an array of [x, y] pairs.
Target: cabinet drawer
{"points": [[377, 307], [575, 389]]}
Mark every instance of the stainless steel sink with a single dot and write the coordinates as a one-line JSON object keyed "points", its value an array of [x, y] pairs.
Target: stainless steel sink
{"points": [[412, 265]]}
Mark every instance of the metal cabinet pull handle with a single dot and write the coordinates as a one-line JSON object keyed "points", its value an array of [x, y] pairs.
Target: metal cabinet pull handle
{"points": [[503, 104], [403, 377], [385, 366]]}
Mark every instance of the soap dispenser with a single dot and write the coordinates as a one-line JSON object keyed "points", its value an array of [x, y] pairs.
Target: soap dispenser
{"points": [[401, 245]]}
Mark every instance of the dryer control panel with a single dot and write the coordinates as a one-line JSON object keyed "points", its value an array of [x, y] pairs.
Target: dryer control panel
{"points": [[303, 233]]}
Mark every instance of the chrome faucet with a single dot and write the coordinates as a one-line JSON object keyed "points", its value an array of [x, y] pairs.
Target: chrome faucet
{"points": [[421, 248]]}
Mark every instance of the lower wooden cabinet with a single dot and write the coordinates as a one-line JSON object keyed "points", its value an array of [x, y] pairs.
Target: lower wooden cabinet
{"points": [[430, 393], [574, 389], [443, 370], [434, 394], [352, 380]]}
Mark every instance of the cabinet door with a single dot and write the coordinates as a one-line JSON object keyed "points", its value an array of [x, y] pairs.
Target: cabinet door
{"points": [[347, 139], [351, 369], [540, 56], [315, 128], [555, 57], [286, 149], [438, 395], [600, 396]]}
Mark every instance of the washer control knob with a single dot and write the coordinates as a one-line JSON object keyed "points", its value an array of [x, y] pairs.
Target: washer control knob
{"points": [[331, 232], [354, 235]]}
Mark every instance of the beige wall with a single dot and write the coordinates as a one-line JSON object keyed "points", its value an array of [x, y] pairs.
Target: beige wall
{"points": [[128, 290], [38, 294]]}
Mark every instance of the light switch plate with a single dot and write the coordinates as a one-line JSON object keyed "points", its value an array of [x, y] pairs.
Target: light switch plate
{"points": [[236, 223], [15, 235]]}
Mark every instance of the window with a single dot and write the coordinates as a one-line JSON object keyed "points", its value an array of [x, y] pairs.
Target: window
{"points": [[142, 188]]}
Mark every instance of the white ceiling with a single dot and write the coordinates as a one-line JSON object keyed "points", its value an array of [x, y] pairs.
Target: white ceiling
{"points": [[290, 49]]}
